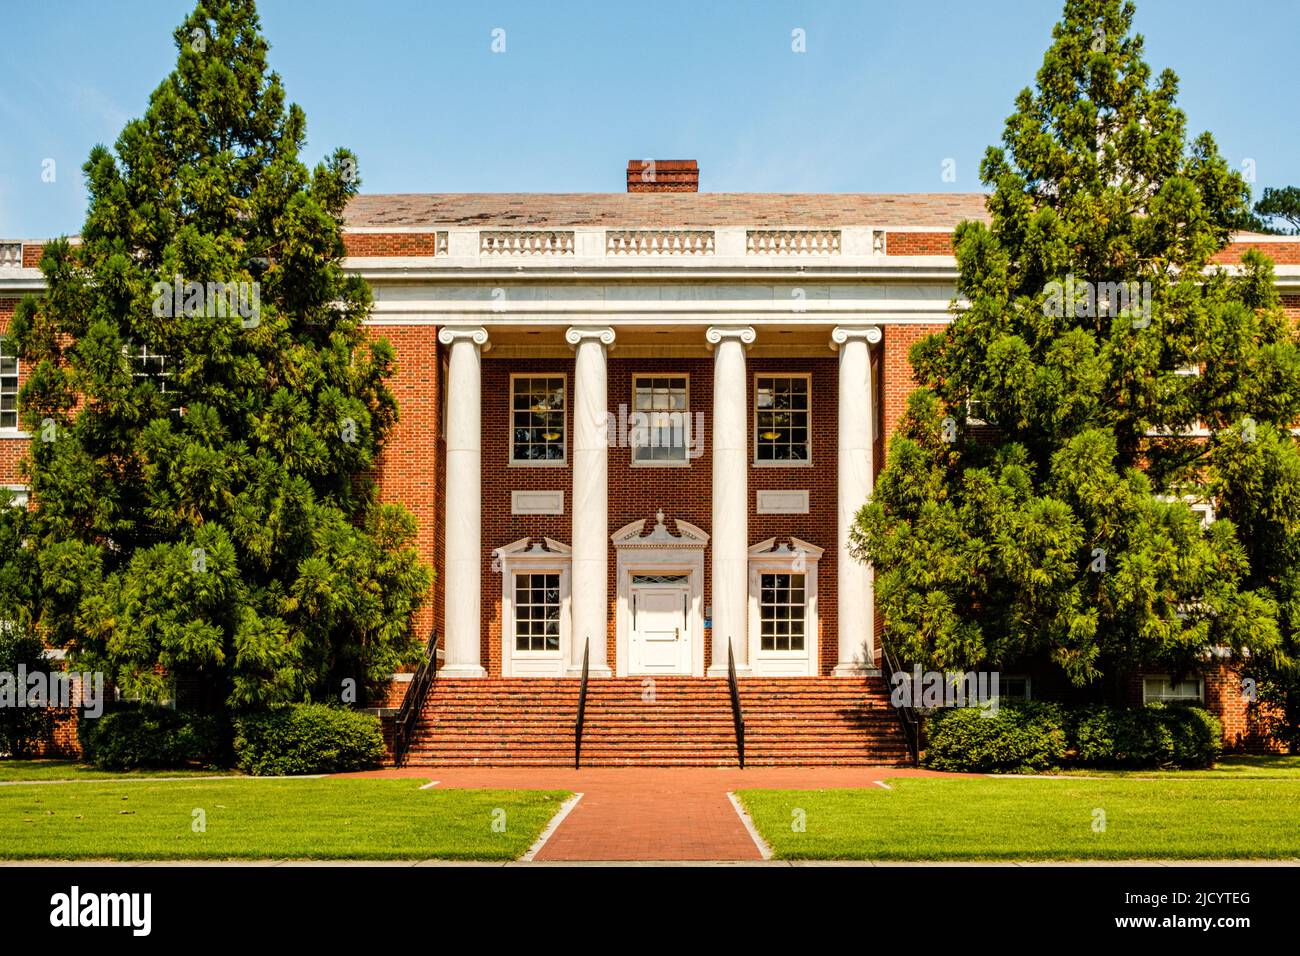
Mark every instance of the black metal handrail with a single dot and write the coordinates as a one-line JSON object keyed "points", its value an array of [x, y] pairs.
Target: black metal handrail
{"points": [[582, 707], [413, 703], [737, 716], [907, 715]]}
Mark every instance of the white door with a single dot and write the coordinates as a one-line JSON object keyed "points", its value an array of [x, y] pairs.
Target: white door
{"points": [[661, 636]]}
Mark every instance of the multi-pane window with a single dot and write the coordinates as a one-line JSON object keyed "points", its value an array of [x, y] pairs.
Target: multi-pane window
{"points": [[8, 385], [663, 423], [1014, 687], [537, 611], [147, 364], [781, 609], [1166, 691], [537, 419], [782, 418]]}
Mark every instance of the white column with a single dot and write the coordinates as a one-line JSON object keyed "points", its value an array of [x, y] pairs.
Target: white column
{"points": [[462, 570], [590, 498], [730, 531], [855, 466]]}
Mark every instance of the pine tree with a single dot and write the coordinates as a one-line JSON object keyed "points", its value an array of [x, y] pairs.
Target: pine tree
{"points": [[1092, 339], [1278, 211], [206, 406]]}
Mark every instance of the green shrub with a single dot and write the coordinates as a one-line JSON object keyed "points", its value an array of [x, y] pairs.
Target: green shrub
{"points": [[1197, 735], [1147, 737], [22, 728], [132, 736], [1015, 738], [307, 738]]}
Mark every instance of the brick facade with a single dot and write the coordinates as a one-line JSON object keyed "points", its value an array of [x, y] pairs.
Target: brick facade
{"points": [[382, 244], [411, 469], [918, 243], [12, 449]]}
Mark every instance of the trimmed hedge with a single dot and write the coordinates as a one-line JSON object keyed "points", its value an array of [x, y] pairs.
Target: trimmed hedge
{"points": [[1145, 737], [307, 738], [1028, 737], [1019, 739], [135, 736]]}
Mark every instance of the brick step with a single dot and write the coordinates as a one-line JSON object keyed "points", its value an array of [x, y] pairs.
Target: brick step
{"points": [[415, 761], [528, 722]]}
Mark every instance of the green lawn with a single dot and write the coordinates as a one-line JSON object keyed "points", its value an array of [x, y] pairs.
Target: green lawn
{"points": [[1172, 816], [1236, 768], [71, 770], [247, 818]]}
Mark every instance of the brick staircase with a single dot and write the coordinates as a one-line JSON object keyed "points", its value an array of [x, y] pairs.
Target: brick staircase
{"points": [[820, 722], [674, 722]]}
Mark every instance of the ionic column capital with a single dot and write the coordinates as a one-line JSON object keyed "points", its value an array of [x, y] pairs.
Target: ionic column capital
{"points": [[844, 333], [450, 334], [578, 334], [717, 334]]}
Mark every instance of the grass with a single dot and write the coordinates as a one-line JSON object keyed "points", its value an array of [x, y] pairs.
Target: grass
{"points": [[248, 818], [12, 770], [1261, 767], [1242, 813]]}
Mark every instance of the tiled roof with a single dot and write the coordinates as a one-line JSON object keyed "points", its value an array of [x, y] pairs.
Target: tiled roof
{"points": [[665, 210]]}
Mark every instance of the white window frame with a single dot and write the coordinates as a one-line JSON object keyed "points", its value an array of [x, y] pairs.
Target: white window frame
{"points": [[1201, 505], [1162, 698], [685, 461], [790, 463], [141, 353], [14, 430], [798, 557], [514, 462], [546, 556], [21, 495]]}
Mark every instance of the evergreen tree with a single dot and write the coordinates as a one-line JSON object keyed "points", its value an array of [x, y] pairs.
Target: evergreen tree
{"points": [[206, 406], [1278, 210], [1090, 338]]}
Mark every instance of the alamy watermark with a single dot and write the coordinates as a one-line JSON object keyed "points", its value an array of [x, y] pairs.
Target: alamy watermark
{"points": [[656, 429], [1079, 298], [39, 689], [934, 689], [213, 299]]}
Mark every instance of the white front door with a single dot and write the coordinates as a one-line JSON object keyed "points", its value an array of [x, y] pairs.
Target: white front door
{"points": [[661, 632]]}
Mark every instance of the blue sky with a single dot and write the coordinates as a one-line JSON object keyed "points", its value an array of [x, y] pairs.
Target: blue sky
{"points": [[884, 94]]}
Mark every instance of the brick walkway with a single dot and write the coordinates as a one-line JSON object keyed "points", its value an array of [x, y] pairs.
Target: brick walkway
{"points": [[646, 813]]}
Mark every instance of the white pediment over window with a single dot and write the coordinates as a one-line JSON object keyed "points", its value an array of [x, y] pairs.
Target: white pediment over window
{"points": [[793, 549], [633, 535], [541, 547]]}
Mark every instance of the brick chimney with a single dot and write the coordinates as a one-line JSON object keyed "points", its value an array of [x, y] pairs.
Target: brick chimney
{"points": [[663, 176]]}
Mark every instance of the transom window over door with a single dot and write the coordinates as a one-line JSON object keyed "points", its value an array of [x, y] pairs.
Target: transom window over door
{"points": [[8, 385], [782, 408], [662, 404], [537, 611], [537, 419], [782, 608]]}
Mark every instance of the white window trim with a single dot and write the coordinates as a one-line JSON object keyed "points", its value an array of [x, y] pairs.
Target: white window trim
{"points": [[514, 462], [632, 410], [753, 421], [544, 557], [1199, 504], [16, 430], [1147, 699], [18, 491], [799, 557]]}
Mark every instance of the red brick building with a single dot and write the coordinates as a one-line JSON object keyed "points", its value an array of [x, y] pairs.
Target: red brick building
{"points": [[637, 426]]}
